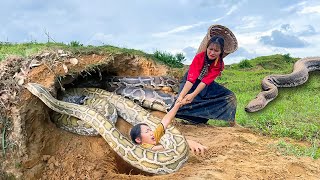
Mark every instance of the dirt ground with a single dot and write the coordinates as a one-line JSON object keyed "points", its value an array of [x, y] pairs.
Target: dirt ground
{"points": [[233, 152]]}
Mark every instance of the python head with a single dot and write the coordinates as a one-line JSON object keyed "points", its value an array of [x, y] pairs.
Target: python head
{"points": [[256, 104]]}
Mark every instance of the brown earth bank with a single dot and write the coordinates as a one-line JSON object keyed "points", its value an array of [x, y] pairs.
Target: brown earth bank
{"points": [[234, 153], [43, 151]]}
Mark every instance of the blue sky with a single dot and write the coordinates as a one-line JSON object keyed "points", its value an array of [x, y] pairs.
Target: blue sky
{"points": [[261, 27]]}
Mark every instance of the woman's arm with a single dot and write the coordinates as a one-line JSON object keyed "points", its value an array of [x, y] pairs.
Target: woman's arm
{"points": [[166, 120], [186, 88], [193, 74], [189, 98]]}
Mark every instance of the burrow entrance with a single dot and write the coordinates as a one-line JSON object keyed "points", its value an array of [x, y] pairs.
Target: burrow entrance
{"points": [[52, 152]]}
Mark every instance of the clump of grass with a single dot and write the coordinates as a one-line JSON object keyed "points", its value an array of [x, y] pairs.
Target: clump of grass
{"points": [[288, 58], [219, 123], [170, 59], [298, 150], [75, 44], [245, 64]]}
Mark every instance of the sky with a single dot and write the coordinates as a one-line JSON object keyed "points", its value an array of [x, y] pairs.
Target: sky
{"points": [[175, 26]]}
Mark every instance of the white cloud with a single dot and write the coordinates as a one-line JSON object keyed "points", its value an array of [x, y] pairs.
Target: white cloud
{"points": [[249, 22], [162, 25], [178, 29], [310, 9], [294, 6], [100, 39], [188, 27], [185, 28], [233, 8], [283, 39]]}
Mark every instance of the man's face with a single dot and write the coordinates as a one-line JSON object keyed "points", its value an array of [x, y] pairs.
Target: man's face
{"points": [[147, 135]]}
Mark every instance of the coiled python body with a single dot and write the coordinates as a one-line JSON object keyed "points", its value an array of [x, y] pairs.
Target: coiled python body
{"points": [[161, 162], [132, 89], [271, 83], [146, 97], [152, 82], [78, 126]]}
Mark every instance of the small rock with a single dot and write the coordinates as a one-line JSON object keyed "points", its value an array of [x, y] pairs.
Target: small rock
{"points": [[51, 160], [4, 97], [56, 163], [65, 68], [64, 164], [51, 166], [74, 61], [45, 157], [20, 81], [34, 63], [60, 51], [64, 55], [45, 54]]}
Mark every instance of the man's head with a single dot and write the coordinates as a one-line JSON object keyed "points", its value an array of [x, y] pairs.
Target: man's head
{"points": [[142, 133]]}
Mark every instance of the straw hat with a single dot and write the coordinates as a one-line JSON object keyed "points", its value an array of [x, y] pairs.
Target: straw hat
{"points": [[230, 41]]}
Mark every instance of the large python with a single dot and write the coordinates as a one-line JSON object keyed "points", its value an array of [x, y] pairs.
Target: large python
{"points": [[78, 126], [146, 97], [153, 82], [144, 90], [160, 162], [271, 83], [134, 88]]}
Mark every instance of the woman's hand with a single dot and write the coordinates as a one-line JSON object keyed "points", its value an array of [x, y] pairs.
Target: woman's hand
{"points": [[197, 148], [179, 100], [187, 99]]}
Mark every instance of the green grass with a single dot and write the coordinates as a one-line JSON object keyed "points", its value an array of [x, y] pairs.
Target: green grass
{"points": [[170, 59], [294, 113], [245, 64], [286, 148], [27, 49]]}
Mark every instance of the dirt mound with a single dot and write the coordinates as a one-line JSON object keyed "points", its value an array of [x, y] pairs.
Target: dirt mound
{"points": [[43, 151], [234, 153]]}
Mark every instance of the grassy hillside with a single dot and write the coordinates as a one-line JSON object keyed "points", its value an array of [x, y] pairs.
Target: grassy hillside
{"points": [[294, 113], [26, 49]]}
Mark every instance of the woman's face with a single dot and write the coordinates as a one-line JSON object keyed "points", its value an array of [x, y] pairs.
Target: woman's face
{"points": [[147, 135], [213, 51]]}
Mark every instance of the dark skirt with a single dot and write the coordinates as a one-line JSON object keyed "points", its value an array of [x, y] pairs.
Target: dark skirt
{"points": [[213, 102]]}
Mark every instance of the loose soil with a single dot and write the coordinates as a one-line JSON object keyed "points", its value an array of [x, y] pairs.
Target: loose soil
{"points": [[51, 153]]}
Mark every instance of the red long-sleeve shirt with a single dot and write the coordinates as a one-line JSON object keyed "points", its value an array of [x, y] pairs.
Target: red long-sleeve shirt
{"points": [[196, 66]]}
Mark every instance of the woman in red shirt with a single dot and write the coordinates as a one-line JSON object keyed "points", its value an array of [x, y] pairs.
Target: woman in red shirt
{"points": [[201, 97]]}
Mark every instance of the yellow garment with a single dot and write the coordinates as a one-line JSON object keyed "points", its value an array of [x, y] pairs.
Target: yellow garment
{"points": [[158, 133], [215, 62]]}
